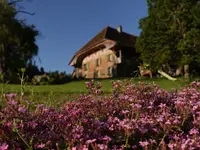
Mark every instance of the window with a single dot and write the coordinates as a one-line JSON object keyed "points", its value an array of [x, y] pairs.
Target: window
{"points": [[86, 76], [119, 53], [109, 71], [97, 74], [109, 57], [98, 62], [85, 67]]}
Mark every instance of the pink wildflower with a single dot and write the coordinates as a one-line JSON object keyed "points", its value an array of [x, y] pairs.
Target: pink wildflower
{"points": [[12, 102], [4, 146], [22, 109], [91, 141], [171, 146], [144, 143], [11, 95], [73, 148], [40, 146], [194, 131]]}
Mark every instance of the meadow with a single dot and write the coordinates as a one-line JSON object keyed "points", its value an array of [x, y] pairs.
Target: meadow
{"points": [[78, 87], [142, 116], [57, 95]]}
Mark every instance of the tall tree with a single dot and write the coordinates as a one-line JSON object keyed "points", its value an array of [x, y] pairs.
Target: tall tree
{"points": [[168, 33], [17, 39]]}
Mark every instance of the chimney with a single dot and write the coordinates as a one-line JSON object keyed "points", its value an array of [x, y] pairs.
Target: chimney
{"points": [[119, 29]]}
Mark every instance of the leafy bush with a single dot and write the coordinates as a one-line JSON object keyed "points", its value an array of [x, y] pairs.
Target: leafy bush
{"points": [[58, 77], [40, 79], [140, 117], [51, 78]]}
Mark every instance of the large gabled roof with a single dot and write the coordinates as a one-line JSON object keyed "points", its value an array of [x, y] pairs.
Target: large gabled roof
{"points": [[109, 33]]}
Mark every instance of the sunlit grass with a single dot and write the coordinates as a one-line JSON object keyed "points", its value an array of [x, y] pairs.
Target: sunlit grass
{"points": [[79, 86], [57, 95]]}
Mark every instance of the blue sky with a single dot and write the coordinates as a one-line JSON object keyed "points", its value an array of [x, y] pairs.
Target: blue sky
{"points": [[66, 25]]}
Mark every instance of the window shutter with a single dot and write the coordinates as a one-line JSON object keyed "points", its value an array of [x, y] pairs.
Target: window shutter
{"points": [[111, 57], [107, 58], [97, 62], [108, 71], [99, 73], [87, 66]]}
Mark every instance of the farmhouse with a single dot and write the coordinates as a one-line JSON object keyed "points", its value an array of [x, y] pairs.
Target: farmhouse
{"points": [[111, 53]]}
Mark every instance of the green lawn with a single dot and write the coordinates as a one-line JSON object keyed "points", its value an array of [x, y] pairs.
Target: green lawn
{"points": [[57, 95], [76, 87]]}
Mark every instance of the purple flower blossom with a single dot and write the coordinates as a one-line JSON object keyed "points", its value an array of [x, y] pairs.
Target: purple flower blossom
{"points": [[103, 122], [4, 146], [160, 119], [144, 143], [22, 109], [106, 138], [12, 102], [102, 146], [91, 141], [194, 131], [134, 147], [136, 106], [8, 124], [11, 95], [125, 111], [33, 124], [171, 146], [73, 148], [168, 122], [40, 146]]}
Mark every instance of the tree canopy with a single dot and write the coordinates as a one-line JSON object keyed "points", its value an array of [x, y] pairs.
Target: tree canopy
{"points": [[170, 33], [17, 39]]}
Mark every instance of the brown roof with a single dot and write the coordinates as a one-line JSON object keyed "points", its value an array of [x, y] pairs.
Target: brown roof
{"points": [[109, 33]]}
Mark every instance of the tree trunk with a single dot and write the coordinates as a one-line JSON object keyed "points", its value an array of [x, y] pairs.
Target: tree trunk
{"points": [[186, 71]]}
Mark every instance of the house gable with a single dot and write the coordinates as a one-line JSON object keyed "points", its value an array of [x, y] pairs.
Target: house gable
{"points": [[100, 57], [107, 34]]}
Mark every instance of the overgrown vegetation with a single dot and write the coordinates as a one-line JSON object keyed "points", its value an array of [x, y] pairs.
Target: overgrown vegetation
{"points": [[127, 115], [17, 40], [51, 78], [170, 34], [140, 117]]}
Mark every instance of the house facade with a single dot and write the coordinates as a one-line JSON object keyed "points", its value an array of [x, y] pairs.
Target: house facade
{"points": [[111, 53]]}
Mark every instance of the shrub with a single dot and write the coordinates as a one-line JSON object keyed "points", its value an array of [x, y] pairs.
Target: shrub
{"points": [[140, 117], [58, 77], [40, 79], [51, 78]]}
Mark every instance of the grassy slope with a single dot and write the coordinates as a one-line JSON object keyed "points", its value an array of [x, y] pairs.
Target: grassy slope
{"points": [[57, 95], [79, 86]]}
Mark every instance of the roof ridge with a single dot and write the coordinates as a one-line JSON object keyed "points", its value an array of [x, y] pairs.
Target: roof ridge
{"points": [[108, 33], [101, 33], [121, 32]]}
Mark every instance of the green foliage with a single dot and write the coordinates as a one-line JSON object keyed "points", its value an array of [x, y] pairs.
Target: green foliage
{"points": [[52, 78], [77, 87], [33, 70], [17, 40], [40, 79], [170, 31], [59, 77], [142, 116]]}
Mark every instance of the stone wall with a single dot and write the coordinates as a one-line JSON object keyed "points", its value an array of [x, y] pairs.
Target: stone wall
{"points": [[101, 64]]}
